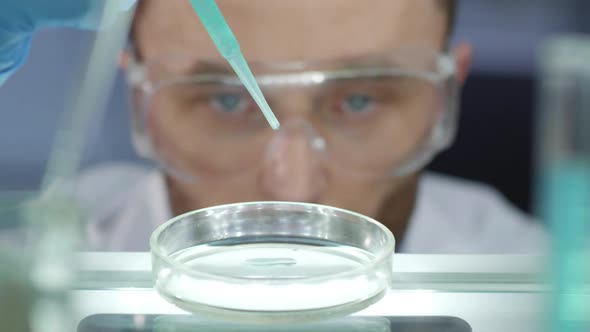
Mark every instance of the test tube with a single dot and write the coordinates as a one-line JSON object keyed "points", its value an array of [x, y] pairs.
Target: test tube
{"points": [[563, 155]]}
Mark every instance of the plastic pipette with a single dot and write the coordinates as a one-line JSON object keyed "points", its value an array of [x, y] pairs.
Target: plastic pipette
{"points": [[228, 46]]}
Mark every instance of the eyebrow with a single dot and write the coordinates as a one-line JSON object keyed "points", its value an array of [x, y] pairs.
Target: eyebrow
{"points": [[208, 67], [365, 62], [222, 68]]}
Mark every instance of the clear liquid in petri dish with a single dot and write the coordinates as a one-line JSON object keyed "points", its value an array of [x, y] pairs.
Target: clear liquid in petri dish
{"points": [[271, 274]]}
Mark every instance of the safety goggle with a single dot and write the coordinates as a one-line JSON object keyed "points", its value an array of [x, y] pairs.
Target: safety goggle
{"points": [[378, 115]]}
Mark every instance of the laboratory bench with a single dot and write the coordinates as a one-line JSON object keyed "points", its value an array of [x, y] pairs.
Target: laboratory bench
{"points": [[114, 293]]}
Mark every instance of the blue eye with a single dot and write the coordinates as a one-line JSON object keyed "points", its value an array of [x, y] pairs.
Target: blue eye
{"points": [[357, 103], [229, 103]]}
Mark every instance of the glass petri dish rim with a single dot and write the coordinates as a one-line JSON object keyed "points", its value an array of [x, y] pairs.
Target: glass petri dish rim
{"points": [[384, 253], [258, 317]]}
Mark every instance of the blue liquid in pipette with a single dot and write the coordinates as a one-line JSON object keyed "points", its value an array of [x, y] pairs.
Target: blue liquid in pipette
{"points": [[228, 46], [240, 66]]}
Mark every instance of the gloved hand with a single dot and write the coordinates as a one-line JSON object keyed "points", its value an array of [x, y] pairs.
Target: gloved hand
{"points": [[19, 19]]}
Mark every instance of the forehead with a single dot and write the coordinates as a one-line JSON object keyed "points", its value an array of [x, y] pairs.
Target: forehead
{"points": [[275, 30]]}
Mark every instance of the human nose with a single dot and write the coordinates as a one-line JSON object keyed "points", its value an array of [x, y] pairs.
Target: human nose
{"points": [[292, 169]]}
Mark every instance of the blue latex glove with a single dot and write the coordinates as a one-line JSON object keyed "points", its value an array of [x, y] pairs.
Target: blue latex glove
{"points": [[19, 19]]}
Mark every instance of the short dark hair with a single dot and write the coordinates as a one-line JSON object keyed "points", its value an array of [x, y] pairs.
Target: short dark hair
{"points": [[451, 8]]}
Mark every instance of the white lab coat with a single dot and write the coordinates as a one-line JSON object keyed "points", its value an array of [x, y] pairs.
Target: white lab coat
{"points": [[126, 202]]}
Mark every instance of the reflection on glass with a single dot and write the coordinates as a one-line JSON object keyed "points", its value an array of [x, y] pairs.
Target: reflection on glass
{"points": [[178, 323]]}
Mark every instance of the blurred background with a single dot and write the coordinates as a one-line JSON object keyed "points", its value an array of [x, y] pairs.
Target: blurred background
{"points": [[495, 139]]}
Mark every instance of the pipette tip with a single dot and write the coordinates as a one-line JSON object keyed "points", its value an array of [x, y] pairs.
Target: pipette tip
{"points": [[271, 118]]}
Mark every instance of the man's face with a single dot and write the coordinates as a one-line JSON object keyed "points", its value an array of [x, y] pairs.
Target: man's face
{"points": [[286, 165]]}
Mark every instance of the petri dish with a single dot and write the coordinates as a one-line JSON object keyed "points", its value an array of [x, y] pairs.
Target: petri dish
{"points": [[272, 261]]}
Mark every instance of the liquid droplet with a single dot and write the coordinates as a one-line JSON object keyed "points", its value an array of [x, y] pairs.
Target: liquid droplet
{"points": [[276, 261]]}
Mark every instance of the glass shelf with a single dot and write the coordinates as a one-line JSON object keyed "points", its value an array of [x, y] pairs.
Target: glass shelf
{"points": [[489, 293]]}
